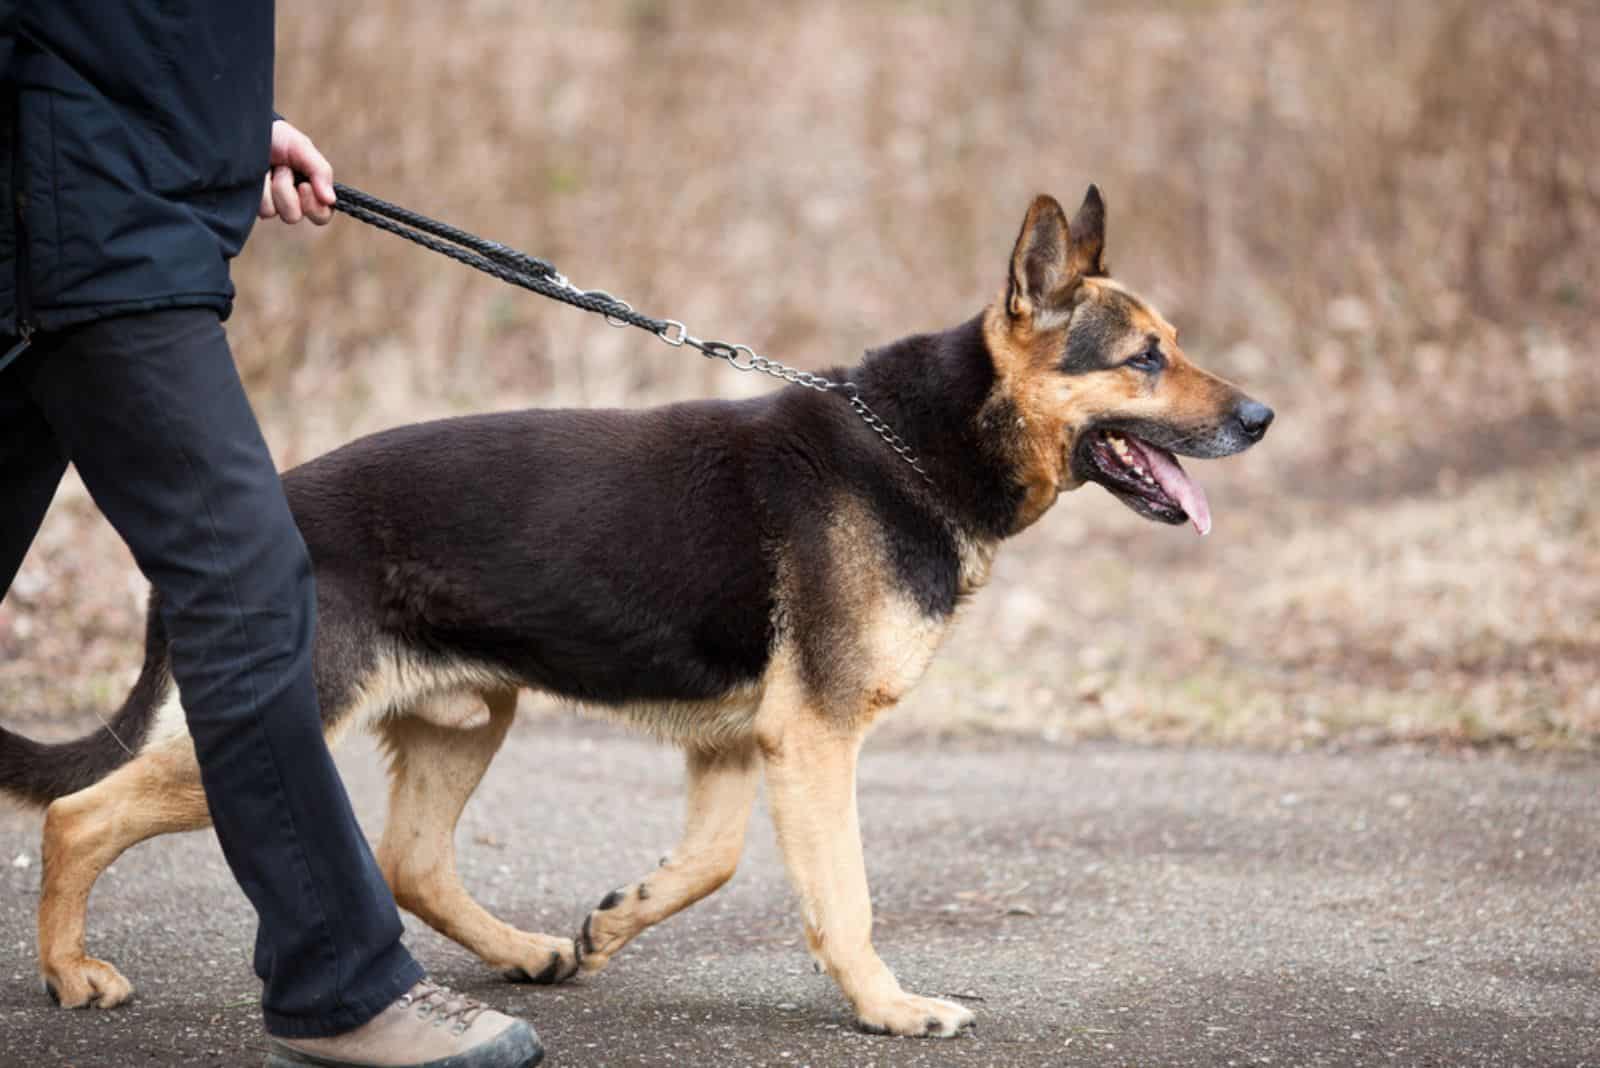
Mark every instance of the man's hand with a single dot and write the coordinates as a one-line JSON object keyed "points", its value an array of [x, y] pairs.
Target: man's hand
{"points": [[292, 151]]}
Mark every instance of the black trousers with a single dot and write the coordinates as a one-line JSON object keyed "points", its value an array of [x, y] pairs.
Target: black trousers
{"points": [[150, 410]]}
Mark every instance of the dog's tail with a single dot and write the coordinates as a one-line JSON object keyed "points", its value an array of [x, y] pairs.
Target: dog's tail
{"points": [[36, 773]]}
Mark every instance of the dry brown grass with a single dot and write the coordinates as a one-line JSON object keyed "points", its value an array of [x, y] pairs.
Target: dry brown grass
{"points": [[1380, 216]]}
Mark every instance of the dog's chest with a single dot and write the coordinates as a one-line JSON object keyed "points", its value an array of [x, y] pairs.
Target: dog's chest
{"points": [[897, 643]]}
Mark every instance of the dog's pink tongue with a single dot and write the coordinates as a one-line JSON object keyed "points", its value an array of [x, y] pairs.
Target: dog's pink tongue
{"points": [[1180, 487]]}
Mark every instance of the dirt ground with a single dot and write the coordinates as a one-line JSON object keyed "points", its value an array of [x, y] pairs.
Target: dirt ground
{"points": [[1094, 904]]}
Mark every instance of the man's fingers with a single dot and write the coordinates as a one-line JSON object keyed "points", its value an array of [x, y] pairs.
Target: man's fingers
{"points": [[267, 210], [315, 166], [284, 195], [313, 208], [290, 200], [321, 174]]}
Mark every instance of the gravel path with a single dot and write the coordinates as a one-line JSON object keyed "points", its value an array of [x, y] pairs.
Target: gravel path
{"points": [[1094, 906]]}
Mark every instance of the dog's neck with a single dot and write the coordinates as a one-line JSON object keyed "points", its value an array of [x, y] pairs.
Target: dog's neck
{"points": [[934, 390]]}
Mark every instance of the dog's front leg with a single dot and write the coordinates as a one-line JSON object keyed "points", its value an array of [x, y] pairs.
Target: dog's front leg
{"points": [[811, 783]]}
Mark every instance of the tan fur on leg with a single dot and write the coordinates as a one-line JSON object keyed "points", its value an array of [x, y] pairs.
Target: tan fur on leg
{"points": [[811, 787], [721, 792], [456, 712], [157, 792], [433, 771]]}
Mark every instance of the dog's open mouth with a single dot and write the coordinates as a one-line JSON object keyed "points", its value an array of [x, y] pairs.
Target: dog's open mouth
{"points": [[1146, 477]]}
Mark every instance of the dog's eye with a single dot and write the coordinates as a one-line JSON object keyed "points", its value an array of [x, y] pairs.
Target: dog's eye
{"points": [[1150, 360]]}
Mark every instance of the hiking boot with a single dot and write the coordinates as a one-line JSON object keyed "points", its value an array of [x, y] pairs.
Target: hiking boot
{"points": [[429, 1027]]}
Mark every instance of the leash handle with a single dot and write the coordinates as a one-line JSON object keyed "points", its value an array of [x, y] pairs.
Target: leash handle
{"points": [[359, 204], [491, 257], [504, 255]]}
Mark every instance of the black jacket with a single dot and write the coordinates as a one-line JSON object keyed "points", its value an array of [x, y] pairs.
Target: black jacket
{"points": [[136, 135]]}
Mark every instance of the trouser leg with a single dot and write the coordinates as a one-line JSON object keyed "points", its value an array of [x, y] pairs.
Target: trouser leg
{"points": [[153, 415], [32, 462]]}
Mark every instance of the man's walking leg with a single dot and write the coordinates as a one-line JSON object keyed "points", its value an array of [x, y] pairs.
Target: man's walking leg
{"points": [[152, 412], [32, 462]]}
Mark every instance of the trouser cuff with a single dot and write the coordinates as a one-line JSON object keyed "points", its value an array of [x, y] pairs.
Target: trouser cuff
{"points": [[397, 973]]}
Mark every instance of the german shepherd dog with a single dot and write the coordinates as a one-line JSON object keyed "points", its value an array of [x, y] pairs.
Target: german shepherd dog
{"points": [[756, 581]]}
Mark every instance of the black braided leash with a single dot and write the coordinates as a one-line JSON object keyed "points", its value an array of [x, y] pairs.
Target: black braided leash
{"points": [[490, 257], [540, 276]]}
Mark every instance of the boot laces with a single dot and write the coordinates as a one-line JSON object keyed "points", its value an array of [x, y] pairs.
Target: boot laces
{"points": [[441, 1004]]}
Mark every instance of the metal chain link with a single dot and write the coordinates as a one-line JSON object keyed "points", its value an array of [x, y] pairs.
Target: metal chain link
{"points": [[540, 276], [677, 334]]}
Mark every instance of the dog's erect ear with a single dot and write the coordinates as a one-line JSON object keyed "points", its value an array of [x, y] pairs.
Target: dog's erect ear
{"points": [[1039, 260], [1051, 257], [1089, 236]]}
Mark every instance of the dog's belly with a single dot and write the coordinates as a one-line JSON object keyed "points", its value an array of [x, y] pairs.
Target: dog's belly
{"points": [[449, 693], [704, 724]]}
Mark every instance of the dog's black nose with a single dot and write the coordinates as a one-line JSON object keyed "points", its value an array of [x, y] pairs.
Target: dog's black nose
{"points": [[1254, 418]]}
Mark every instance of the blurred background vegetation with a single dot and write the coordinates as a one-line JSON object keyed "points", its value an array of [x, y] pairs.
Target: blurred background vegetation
{"points": [[1380, 217]]}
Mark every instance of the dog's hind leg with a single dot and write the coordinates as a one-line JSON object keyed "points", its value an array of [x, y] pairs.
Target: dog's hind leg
{"points": [[433, 771], [721, 792], [157, 792]]}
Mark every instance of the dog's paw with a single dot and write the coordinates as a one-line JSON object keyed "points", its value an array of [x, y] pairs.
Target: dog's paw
{"points": [[605, 931], [85, 983], [555, 960], [908, 1014]]}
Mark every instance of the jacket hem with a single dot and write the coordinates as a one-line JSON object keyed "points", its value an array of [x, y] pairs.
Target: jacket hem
{"points": [[47, 319]]}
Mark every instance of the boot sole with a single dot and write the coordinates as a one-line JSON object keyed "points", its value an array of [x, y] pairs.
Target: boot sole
{"points": [[510, 1050]]}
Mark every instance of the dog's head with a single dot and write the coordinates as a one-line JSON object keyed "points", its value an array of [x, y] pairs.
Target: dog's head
{"points": [[1095, 379]]}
